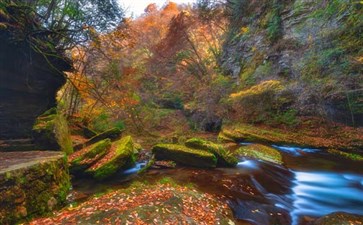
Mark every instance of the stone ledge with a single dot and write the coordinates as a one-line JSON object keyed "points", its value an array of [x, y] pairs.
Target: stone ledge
{"points": [[31, 184]]}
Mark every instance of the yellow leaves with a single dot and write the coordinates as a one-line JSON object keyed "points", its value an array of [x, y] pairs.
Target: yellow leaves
{"points": [[359, 59], [113, 103], [244, 30], [269, 85], [78, 54], [186, 13]]}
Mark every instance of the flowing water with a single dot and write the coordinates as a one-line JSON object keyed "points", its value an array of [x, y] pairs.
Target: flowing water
{"points": [[312, 183]]}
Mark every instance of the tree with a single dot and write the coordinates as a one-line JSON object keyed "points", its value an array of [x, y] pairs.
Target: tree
{"points": [[62, 24]]}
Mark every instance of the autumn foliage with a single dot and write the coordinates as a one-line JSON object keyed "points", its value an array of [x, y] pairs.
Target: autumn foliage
{"points": [[167, 54]]}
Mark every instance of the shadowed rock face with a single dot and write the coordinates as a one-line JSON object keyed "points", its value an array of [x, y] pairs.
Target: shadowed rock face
{"points": [[28, 86]]}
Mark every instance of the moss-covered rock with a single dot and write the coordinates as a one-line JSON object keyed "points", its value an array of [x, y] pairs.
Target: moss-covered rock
{"points": [[249, 133], [32, 184], [184, 155], [84, 158], [262, 152], [51, 132], [120, 156], [347, 155], [224, 139], [339, 218], [113, 134], [224, 157], [253, 134], [334, 137]]}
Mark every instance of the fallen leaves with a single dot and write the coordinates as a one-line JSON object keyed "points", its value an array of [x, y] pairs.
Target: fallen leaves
{"points": [[155, 204]]}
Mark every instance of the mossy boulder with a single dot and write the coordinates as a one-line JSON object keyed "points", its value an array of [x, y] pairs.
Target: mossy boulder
{"points": [[32, 184], [348, 155], [339, 218], [184, 155], [224, 157], [224, 139], [51, 132], [262, 152], [113, 134], [342, 138], [120, 156], [84, 158], [253, 134]]}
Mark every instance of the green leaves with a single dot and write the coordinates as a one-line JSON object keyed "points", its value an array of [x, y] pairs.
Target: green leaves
{"points": [[62, 23]]}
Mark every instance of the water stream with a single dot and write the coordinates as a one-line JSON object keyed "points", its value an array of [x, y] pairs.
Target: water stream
{"points": [[311, 184]]}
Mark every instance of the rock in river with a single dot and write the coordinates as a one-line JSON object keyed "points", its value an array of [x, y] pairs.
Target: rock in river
{"points": [[184, 155], [121, 155], [224, 157], [262, 152], [84, 158]]}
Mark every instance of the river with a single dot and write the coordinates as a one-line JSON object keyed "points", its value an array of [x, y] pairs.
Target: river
{"points": [[310, 184]]}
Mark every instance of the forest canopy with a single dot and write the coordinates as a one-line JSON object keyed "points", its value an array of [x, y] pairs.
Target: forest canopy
{"points": [[62, 23]]}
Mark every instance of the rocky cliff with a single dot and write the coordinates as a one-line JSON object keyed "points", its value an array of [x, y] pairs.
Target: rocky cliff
{"points": [[314, 48], [30, 76]]}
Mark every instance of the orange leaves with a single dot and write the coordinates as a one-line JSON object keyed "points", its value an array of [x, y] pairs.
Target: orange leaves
{"points": [[156, 204], [170, 9]]}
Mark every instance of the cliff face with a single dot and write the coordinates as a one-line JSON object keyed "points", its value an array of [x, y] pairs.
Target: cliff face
{"points": [[28, 86], [313, 47]]}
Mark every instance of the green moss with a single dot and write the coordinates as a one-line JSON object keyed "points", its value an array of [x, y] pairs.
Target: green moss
{"points": [[86, 157], [184, 155], [224, 157], [274, 23], [122, 157], [249, 133], [51, 132], [147, 166], [35, 190], [262, 152], [223, 138], [347, 155], [91, 151], [113, 134]]}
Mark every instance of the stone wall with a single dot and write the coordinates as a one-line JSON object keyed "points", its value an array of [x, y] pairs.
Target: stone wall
{"points": [[31, 184]]}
